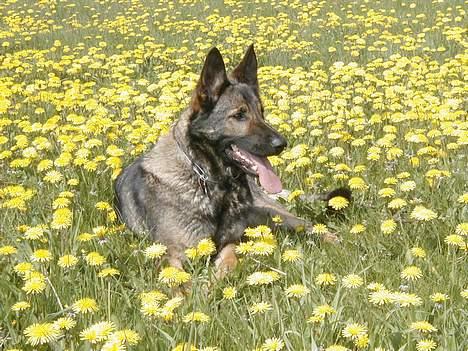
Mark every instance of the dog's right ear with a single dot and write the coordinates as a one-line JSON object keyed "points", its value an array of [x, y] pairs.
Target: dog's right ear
{"points": [[212, 82]]}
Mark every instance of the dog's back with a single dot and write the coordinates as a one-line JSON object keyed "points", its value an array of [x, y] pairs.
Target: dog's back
{"points": [[130, 188]]}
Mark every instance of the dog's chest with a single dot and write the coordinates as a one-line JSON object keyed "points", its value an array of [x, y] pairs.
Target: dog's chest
{"points": [[228, 198]]}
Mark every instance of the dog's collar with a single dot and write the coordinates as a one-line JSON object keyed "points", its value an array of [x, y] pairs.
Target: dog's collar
{"points": [[201, 173]]}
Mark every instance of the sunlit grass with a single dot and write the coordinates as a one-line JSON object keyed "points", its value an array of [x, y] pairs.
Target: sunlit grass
{"points": [[370, 95]]}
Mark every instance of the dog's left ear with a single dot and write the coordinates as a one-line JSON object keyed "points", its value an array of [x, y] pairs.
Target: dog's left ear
{"points": [[246, 71]]}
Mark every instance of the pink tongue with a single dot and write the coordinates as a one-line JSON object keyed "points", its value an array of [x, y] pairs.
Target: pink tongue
{"points": [[268, 179]]}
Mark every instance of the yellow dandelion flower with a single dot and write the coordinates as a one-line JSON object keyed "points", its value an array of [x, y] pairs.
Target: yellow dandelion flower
{"points": [[61, 218], [34, 285], [151, 308], [53, 177], [411, 273], [85, 305], [406, 299], [23, 268], [127, 336], [262, 278], [108, 272], [324, 310], [418, 252], [8, 250], [44, 165], [362, 341], [191, 253], [390, 181], [196, 317], [423, 327], [185, 347], [352, 281], [354, 331], [113, 345], [260, 307], [41, 333], [67, 261], [315, 319], [426, 345], [34, 233], [103, 206], [357, 183], [41, 255], [397, 204], [155, 250], [152, 296], [463, 199], [244, 248], [258, 232], [439, 297], [20, 306], [206, 247], [173, 276], [421, 213], [319, 229], [264, 247], [294, 195], [229, 293], [297, 290], [60, 202], [73, 182], [95, 259], [325, 279], [358, 229], [454, 240], [407, 186], [381, 297], [464, 293], [291, 256], [98, 332], [462, 229], [167, 311], [66, 323], [336, 151], [388, 226], [338, 203], [272, 344], [386, 192]]}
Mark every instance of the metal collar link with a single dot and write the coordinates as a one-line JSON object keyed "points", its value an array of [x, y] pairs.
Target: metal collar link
{"points": [[203, 177]]}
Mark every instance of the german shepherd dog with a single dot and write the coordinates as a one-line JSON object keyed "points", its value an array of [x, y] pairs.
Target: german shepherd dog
{"points": [[200, 180]]}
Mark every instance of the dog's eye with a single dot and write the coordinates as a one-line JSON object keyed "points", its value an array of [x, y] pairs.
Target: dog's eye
{"points": [[240, 116]]}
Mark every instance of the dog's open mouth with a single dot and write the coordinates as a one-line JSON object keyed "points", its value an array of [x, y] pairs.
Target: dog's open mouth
{"points": [[258, 166]]}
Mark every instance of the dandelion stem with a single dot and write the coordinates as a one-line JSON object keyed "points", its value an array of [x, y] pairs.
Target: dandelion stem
{"points": [[55, 293]]}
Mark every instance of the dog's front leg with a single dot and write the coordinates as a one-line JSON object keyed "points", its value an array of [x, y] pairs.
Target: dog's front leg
{"points": [[225, 261]]}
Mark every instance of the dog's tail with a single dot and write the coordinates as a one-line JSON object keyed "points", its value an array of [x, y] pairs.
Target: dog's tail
{"points": [[343, 192]]}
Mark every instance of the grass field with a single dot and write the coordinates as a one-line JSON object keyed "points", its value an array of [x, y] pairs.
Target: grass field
{"points": [[370, 94]]}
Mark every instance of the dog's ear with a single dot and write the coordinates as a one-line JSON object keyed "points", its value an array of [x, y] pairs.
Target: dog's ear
{"points": [[212, 82], [246, 71]]}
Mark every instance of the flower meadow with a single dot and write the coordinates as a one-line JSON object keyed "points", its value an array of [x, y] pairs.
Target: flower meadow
{"points": [[371, 95]]}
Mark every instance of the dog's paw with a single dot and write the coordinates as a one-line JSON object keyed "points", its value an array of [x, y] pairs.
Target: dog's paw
{"points": [[331, 238], [225, 266], [326, 237], [226, 261]]}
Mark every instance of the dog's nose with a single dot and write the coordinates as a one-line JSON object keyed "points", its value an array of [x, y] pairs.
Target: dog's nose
{"points": [[279, 143]]}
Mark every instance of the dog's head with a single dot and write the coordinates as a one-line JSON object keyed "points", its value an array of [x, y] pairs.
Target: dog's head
{"points": [[228, 114]]}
